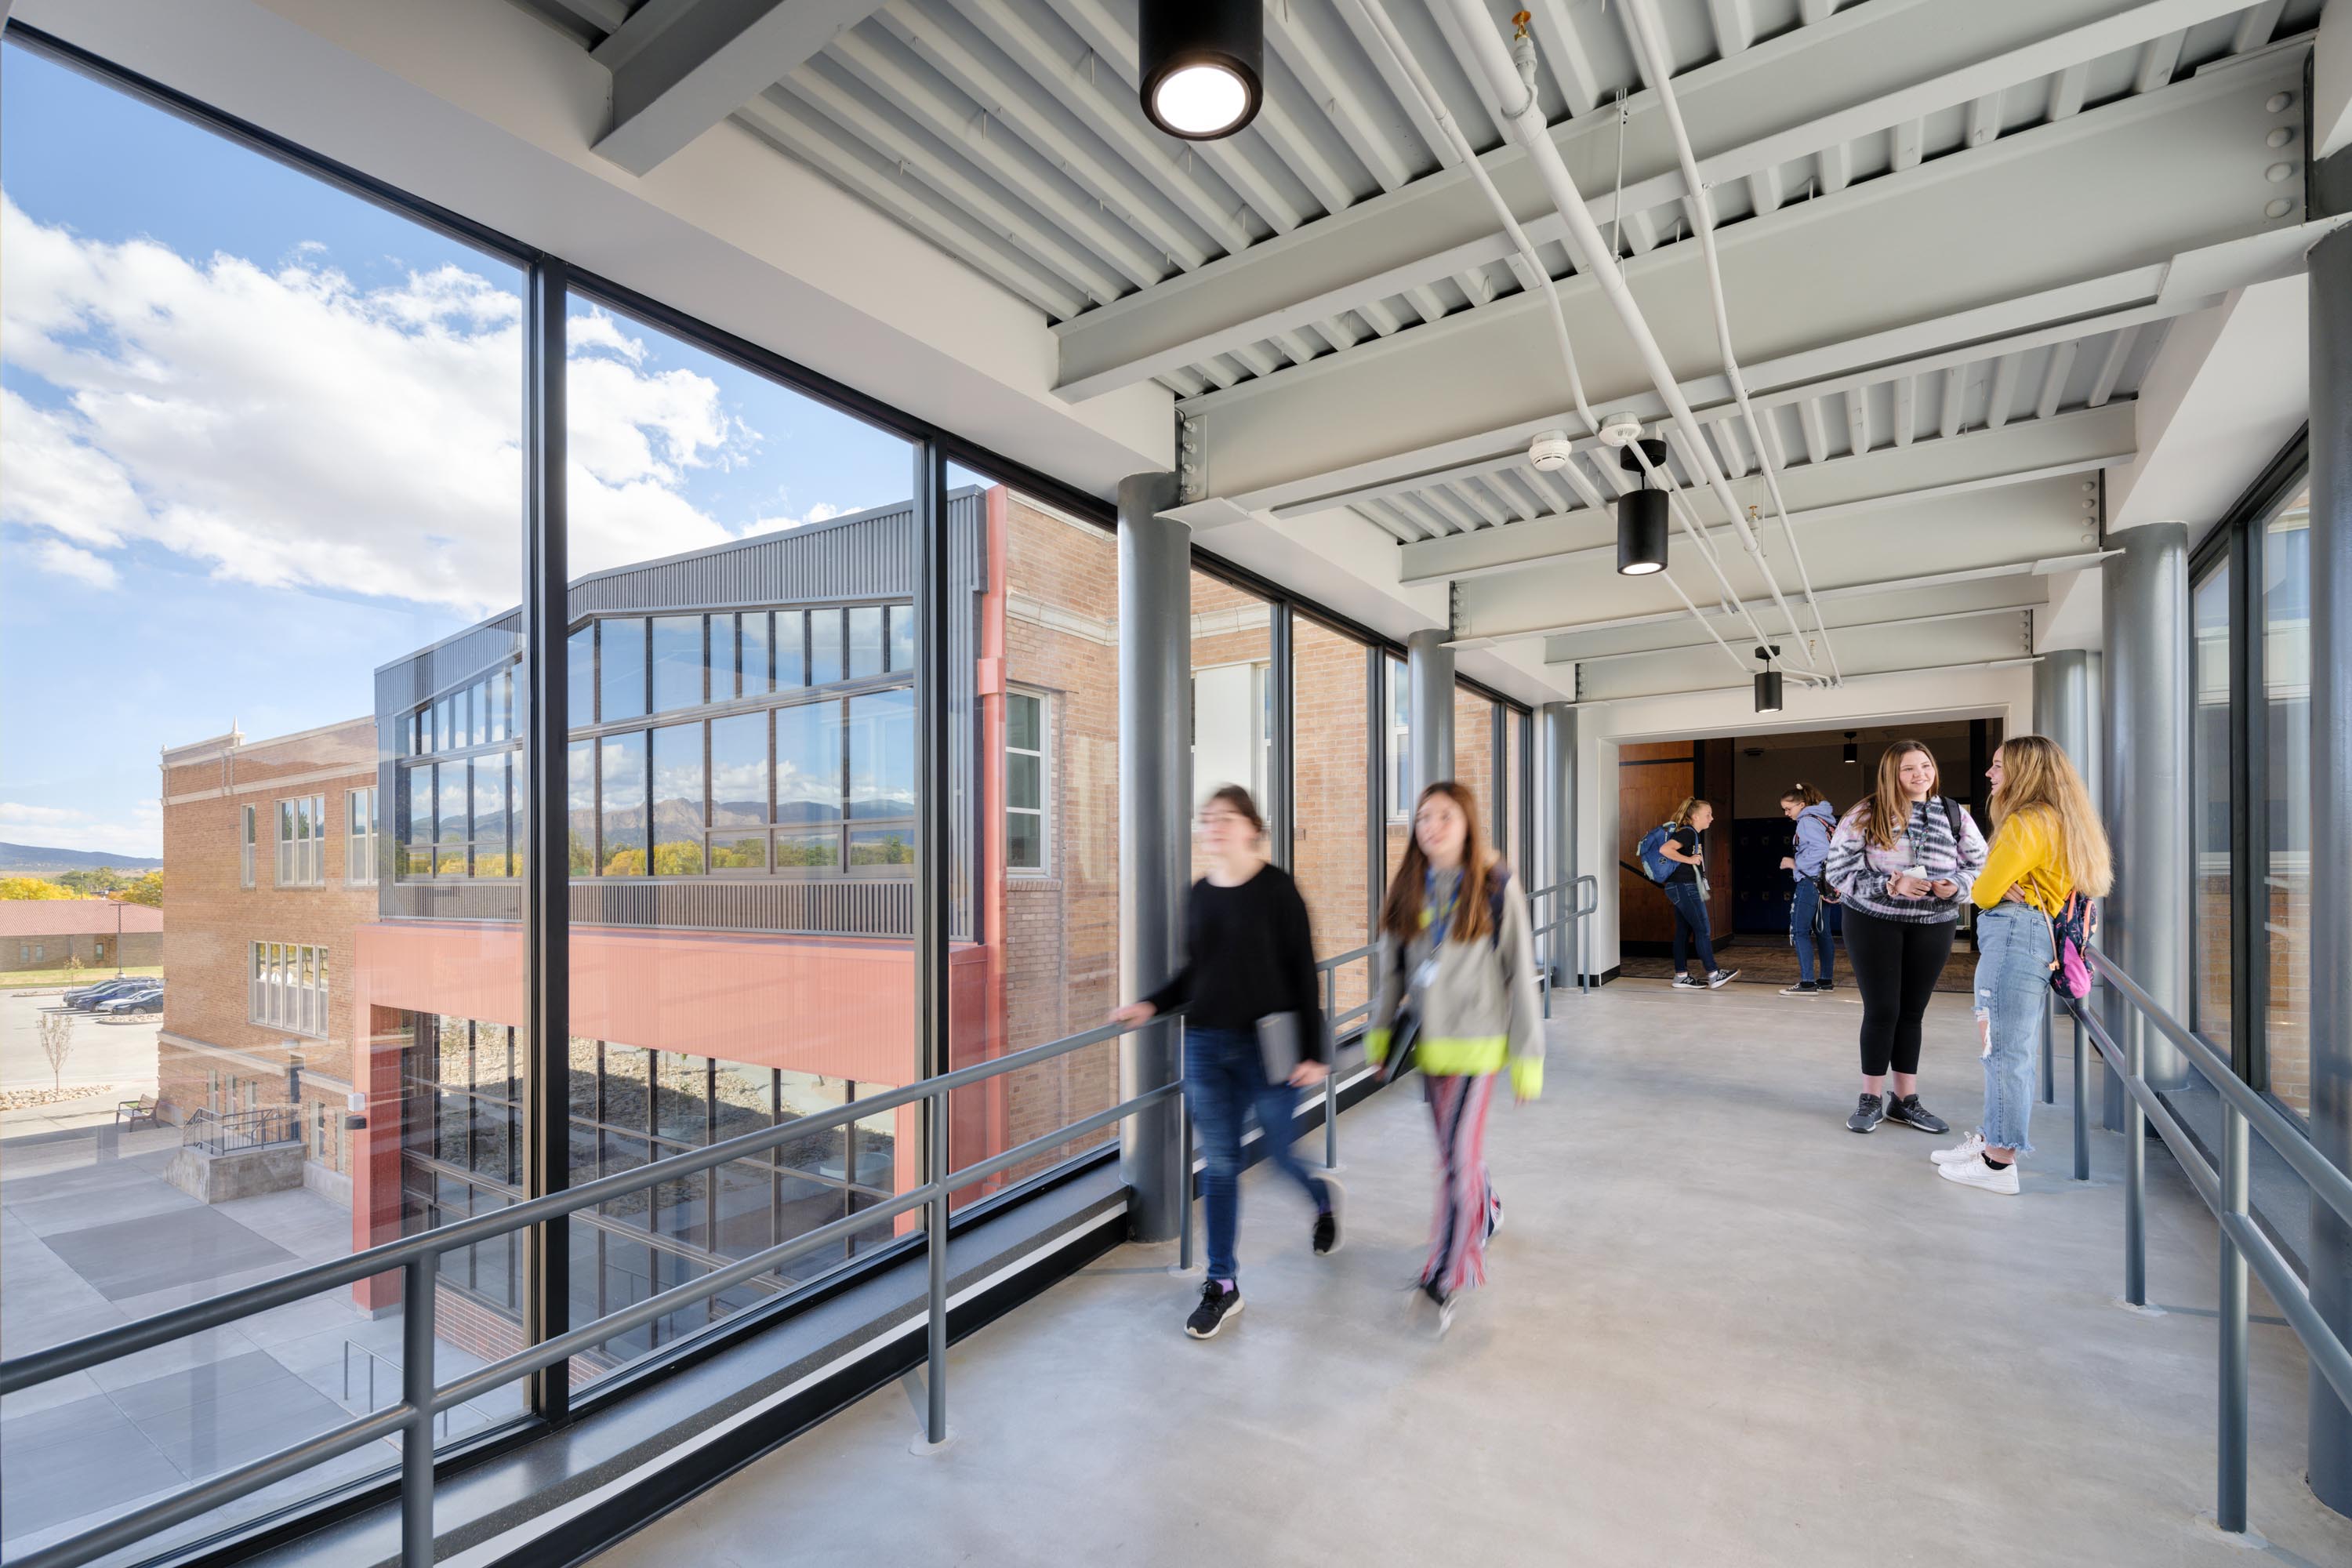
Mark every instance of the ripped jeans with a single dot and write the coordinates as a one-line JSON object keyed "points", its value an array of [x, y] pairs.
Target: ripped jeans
{"points": [[2012, 989]]}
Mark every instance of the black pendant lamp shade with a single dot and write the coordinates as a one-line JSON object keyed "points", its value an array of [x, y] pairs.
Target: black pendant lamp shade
{"points": [[1642, 520], [1852, 752], [1768, 681], [1204, 65]]}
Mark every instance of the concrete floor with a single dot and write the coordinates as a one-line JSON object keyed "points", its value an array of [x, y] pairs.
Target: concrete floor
{"points": [[1720, 1330]]}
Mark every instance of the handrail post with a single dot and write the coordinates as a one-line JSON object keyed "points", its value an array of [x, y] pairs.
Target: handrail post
{"points": [[936, 1249], [417, 1382], [2082, 1099], [2049, 1067], [2135, 1171], [1331, 1082], [2229, 1502], [1184, 1152]]}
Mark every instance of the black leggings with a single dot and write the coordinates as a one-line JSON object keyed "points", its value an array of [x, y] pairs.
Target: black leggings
{"points": [[1896, 964]]}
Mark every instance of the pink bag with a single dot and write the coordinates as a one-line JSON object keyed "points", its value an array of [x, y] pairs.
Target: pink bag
{"points": [[2072, 930]]}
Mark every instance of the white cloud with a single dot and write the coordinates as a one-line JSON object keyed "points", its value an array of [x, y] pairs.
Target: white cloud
{"points": [[15, 813], [62, 827], [290, 428], [65, 560]]}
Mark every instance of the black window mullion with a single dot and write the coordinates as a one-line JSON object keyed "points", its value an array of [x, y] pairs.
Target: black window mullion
{"points": [[2250, 820]]}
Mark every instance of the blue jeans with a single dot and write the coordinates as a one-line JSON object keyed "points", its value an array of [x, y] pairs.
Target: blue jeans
{"points": [[1690, 925], [1225, 1080], [2012, 990], [1809, 928]]}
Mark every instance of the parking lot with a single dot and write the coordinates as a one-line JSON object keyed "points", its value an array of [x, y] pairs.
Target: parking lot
{"points": [[119, 1055]]}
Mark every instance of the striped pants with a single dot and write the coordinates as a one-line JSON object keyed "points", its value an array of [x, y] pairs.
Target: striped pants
{"points": [[1465, 1197]]}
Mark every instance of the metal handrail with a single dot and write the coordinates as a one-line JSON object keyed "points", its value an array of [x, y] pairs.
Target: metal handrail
{"points": [[1573, 916], [227, 1133], [423, 1398], [2224, 1192]]}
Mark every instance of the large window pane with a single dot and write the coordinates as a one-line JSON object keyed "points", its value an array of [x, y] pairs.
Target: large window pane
{"points": [[1233, 705], [2209, 611], [824, 646], [1474, 752], [2286, 868], [293, 424], [745, 485], [580, 654], [621, 846], [882, 755], [580, 801], [1334, 814], [865, 641], [677, 662], [677, 801]]}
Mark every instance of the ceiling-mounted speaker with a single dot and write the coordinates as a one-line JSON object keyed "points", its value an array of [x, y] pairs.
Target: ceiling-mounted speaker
{"points": [[1204, 65]]}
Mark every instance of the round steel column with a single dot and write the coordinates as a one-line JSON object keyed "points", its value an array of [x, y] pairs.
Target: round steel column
{"points": [[2145, 613], [1155, 807], [2330, 965], [1428, 680]]}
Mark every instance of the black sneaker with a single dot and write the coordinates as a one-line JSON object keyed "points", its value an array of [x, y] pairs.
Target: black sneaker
{"points": [[1328, 1237], [1217, 1304], [1802, 988], [1911, 1113], [1685, 982], [1867, 1114], [1721, 977]]}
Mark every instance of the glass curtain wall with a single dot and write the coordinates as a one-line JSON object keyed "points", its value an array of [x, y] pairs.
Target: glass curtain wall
{"points": [[2211, 725], [1039, 826], [1336, 811], [1474, 756], [263, 447], [2284, 853], [741, 800], [1234, 696]]}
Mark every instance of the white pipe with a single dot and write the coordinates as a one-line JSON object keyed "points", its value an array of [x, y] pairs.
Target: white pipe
{"points": [[1516, 106], [1642, 25], [1537, 276]]}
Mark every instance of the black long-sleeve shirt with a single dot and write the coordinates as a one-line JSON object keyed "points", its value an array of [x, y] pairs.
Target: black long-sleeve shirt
{"points": [[1248, 952]]}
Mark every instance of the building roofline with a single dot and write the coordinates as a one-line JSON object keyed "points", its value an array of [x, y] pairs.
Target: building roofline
{"points": [[847, 520], [236, 741]]}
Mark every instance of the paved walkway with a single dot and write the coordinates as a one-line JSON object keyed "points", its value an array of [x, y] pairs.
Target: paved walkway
{"points": [[1720, 1330]]}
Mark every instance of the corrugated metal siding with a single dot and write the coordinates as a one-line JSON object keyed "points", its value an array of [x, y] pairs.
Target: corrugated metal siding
{"points": [[871, 556]]}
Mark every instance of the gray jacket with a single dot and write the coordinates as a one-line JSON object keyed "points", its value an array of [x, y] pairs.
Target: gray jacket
{"points": [[1480, 1011]]}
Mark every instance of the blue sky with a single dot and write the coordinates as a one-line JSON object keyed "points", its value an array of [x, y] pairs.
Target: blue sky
{"points": [[260, 439]]}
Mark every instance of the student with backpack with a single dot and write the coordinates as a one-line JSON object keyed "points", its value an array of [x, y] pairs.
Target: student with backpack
{"points": [[1902, 861], [1809, 920], [1671, 854], [2049, 857], [1458, 1002], [1249, 971]]}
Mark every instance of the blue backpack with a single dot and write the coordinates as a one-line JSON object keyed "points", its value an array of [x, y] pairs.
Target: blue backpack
{"points": [[1655, 864]]}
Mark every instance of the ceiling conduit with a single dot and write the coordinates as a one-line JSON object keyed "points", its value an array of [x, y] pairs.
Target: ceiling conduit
{"points": [[1642, 25], [1533, 274], [1512, 99]]}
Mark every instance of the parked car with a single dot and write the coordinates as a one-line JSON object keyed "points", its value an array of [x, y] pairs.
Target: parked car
{"points": [[148, 1001], [88, 998]]}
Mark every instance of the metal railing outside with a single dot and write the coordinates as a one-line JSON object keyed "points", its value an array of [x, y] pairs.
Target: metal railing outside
{"points": [[1587, 901], [234, 1131], [423, 1399], [2225, 1192]]}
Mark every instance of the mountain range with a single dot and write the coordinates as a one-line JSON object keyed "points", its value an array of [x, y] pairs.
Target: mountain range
{"points": [[40, 860]]}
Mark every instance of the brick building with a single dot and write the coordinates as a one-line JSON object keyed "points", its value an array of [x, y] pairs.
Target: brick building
{"points": [[274, 864], [93, 933]]}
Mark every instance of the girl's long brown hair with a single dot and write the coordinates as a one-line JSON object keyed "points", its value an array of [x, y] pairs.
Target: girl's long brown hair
{"points": [[2036, 776], [1401, 913], [1885, 811]]}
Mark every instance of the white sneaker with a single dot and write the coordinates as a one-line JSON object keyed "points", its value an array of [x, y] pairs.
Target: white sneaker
{"points": [[1969, 1149], [1974, 1172]]}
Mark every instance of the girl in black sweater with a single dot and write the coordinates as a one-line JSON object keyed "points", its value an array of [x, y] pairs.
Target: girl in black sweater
{"points": [[1249, 955]]}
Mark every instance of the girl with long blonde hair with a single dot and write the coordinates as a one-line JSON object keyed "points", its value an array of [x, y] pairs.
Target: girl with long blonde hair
{"points": [[1902, 861], [2047, 846], [1687, 891]]}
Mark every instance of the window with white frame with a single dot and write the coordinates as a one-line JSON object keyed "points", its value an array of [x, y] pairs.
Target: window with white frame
{"points": [[289, 987], [1027, 780], [302, 842], [244, 859], [359, 837]]}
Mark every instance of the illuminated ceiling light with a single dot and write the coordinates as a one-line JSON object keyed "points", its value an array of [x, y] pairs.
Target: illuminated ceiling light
{"points": [[1642, 518], [1852, 752], [1768, 681], [1204, 65]]}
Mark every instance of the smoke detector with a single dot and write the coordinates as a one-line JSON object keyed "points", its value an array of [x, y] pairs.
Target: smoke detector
{"points": [[1550, 450], [1620, 430]]}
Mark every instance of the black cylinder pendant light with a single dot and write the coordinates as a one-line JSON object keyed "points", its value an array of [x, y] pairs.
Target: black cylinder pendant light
{"points": [[1852, 752], [1767, 682], [1642, 518], [1204, 65]]}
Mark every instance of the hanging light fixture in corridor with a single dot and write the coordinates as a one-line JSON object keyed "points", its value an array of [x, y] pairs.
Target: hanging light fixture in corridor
{"points": [[1641, 516], [1852, 752], [1768, 681], [1204, 65]]}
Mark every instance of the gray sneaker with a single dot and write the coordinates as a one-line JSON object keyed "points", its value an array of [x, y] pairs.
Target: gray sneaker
{"points": [[1867, 1114], [1802, 988], [1721, 977]]}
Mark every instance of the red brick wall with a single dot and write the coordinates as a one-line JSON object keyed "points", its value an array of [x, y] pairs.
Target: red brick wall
{"points": [[1332, 815], [212, 921]]}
